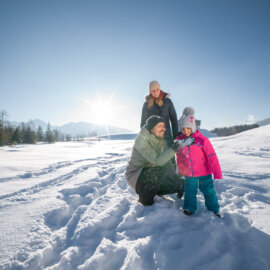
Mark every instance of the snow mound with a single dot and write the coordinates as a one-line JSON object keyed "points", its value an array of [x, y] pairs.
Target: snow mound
{"points": [[74, 210]]}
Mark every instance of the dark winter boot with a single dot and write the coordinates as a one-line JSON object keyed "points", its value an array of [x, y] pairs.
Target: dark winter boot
{"points": [[187, 212], [218, 214]]}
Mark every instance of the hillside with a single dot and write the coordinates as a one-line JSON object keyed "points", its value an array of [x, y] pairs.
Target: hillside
{"points": [[68, 206], [264, 122]]}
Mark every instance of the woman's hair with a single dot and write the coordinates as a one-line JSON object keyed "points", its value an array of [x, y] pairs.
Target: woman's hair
{"points": [[151, 101]]}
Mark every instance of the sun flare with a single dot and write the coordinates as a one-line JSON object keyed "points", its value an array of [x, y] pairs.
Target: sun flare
{"points": [[104, 110], [102, 113]]}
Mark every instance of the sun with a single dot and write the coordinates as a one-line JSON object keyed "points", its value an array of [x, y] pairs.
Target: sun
{"points": [[102, 113], [102, 110]]}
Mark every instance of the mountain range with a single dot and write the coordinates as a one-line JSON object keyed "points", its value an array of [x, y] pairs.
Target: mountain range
{"points": [[78, 128], [85, 128]]}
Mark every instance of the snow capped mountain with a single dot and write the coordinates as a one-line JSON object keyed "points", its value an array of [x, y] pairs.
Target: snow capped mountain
{"points": [[78, 128], [38, 122], [68, 206], [83, 128]]}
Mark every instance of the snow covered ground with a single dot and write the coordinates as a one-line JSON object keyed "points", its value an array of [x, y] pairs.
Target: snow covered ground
{"points": [[68, 206]]}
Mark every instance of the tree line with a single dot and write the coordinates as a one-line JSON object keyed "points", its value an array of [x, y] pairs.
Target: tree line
{"points": [[227, 131], [25, 133]]}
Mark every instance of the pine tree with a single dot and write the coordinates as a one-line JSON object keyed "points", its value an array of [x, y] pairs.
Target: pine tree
{"points": [[40, 134], [49, 135], [23, 131], [16, 136], [8, 131], [29, 135], [68, 138], [227, 131], [3, 114], [56, 135], [62, 137], [1, 134]]}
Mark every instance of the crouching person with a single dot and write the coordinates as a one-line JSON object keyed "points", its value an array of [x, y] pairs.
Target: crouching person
{"points": [[150, 171]]}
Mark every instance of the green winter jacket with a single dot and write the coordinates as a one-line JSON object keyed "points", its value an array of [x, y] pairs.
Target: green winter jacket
{"points": [[148, 151]]}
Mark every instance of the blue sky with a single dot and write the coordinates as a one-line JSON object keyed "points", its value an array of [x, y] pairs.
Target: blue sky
{"points": [[63, 61]]}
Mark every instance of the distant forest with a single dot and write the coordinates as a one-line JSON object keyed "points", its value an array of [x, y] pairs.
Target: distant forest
{"points": [[227, 131], [25, 133]]}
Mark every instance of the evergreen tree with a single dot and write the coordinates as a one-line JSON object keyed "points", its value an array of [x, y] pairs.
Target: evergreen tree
{"points": [[40, 134], [49, 135], [56, 135], [23, 132], [16, 136], [68, 138], [1, 134], [8, 131], [29, 135], [62, 137], [227, 131], [3, 114]]}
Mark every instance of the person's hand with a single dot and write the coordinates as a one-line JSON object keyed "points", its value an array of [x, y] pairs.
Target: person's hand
{"points": [[178, 144]]}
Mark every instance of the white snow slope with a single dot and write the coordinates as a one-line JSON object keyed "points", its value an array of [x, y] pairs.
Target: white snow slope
{"points": [[68, 206]]}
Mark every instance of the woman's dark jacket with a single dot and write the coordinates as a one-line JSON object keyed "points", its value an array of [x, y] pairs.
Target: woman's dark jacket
{"points": [[167, 111]]}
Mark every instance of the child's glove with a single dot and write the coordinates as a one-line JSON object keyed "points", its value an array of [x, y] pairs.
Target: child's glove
{"points": [[178, 144]]}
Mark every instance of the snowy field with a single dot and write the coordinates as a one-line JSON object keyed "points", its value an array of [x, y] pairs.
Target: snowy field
{"points": [[68, 206]]}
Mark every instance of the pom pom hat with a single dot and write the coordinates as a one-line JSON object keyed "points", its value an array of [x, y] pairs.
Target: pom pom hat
{"points": [[187, 120]]}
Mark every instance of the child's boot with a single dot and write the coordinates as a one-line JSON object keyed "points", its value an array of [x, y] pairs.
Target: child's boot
{"points": [[187, 212]]}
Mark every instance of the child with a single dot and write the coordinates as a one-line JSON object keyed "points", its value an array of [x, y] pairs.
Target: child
{"points": [[197, 162]]}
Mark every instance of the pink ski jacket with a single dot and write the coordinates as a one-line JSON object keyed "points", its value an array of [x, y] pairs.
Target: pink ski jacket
{"points": [[198, 159]]}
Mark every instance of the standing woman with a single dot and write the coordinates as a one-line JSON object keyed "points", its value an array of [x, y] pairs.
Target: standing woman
{"points": [[159, 103]]}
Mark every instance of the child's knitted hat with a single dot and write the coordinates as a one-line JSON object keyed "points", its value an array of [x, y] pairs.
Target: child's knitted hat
{"points": [[187, 120]]}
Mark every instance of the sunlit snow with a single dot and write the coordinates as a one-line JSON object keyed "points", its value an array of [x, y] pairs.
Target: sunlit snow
{"points": [[68, 206]]}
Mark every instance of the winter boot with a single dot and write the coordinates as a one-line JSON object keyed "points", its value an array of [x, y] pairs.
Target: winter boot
{"points": [[187, 212]]}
